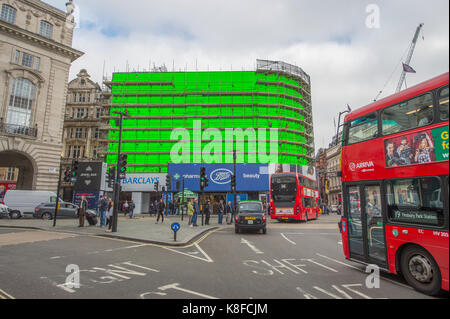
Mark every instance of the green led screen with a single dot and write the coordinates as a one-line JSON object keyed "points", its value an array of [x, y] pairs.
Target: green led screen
{"points": [[158, 103]]}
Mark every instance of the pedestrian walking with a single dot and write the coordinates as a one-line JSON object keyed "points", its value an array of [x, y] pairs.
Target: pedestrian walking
{"points": [[82, 210], [131, 207], [196, 212], [171, 207], [125, 208], [109, 216], [221, 210], [190, 212], [207, 211], [160, 208], [104, 205], [230, 212]]}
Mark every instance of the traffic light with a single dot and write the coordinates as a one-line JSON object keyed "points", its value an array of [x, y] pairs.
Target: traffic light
{"points": [[74, 170], [169, 182], [156, 187], [111, 177], [123, 166], [233, 182], [202, 178], [67, 176]]}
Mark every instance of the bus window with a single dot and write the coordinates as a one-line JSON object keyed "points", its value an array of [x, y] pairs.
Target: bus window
{"points": [[443, 103], [407, 115], [362, 129], [416, 201], [308, 202]]}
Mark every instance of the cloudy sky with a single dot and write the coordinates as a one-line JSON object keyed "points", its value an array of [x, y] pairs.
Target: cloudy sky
{"points": [[349, 53]]}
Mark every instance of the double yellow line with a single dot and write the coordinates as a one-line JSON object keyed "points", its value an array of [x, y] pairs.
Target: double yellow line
{"points": [[4, 295]]}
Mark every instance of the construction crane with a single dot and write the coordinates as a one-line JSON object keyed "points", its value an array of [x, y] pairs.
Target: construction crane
{"points": [[408, 59]]}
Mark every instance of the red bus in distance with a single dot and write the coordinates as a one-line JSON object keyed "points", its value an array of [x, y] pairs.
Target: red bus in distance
{"points": [[293, 197], [395, 185]]}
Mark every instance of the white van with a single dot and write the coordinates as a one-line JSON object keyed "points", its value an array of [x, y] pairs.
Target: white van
{"points": [[22, 203]]}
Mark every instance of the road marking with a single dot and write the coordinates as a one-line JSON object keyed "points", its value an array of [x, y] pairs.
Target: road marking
{"points": [[293, 243], [319, 264], [361, 270], [176, 287], [333, 295], [337, 261], [190, 254], [4, 295], [252, 247]]}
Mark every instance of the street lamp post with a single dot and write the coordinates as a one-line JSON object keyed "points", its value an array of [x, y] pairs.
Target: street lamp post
{"points": [[117, 177]]}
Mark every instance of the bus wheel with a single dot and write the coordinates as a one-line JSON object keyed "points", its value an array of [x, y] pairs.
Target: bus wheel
{"points": [[420, 270]]}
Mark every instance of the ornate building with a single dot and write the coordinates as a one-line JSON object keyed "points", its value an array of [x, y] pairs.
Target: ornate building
{"points": [[82, 137], [35, 57]]}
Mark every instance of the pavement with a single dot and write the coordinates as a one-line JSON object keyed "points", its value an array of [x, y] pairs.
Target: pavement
{"points": [[143, 228]]}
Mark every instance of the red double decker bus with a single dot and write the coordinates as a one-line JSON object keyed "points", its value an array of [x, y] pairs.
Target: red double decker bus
{"points": [[395, 185], [293, 197]]}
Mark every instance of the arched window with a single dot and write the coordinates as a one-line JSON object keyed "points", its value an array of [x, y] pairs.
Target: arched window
{"points": [[46, 29], [21, 102], [8, 14]]}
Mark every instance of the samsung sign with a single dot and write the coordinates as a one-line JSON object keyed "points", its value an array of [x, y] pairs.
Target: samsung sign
{"points": [[249, 177], [142, 182]]}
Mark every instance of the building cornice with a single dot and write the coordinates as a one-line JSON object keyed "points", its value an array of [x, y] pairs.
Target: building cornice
{"points": [[36, 39]]}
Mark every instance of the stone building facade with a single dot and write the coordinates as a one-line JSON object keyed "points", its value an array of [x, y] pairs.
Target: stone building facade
{"points": [[333, 180], [82, 137], [35, 57]]}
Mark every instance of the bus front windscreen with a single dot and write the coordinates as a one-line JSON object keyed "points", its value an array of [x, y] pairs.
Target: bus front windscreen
{"points": [[284, 189]]}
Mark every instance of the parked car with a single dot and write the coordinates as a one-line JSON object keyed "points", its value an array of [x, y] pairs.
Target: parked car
{"points": [[4, 211], [22, 203], [335, 209], [250, 216], [47, 211]]}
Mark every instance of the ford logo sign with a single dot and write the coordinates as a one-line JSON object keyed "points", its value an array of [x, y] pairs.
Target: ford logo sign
{"points": [[221, 176]]}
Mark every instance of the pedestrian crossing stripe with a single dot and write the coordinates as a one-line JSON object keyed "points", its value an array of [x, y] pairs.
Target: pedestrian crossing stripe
{"points": [[4, 295]]}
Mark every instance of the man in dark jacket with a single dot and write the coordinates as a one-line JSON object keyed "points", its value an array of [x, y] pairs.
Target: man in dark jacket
{"points": [[221, 210], [230, 213], [82, 210], [160, 208], [207, 209]]}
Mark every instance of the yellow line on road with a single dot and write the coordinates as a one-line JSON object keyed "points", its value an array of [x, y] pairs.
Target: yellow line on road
{"points": [[3, 294]]}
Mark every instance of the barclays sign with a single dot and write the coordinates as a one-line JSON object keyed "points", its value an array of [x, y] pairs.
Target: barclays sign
{"points": [[142, 182], [221, 176]]}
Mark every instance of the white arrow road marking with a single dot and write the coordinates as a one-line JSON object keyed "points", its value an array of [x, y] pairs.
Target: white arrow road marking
{"points": [[252, 247], [87, 182], [175, 286], [191, 254]]}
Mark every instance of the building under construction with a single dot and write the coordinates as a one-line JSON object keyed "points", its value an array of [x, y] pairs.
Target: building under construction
{"points": [[275, 95]]}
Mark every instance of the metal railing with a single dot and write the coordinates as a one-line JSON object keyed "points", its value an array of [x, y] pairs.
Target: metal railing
{"points": [[14, 129]]}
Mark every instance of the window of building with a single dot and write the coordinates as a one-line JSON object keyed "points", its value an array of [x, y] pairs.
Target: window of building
{"points": [[16, 57], [98, 112], [95, 152], [80, 113], [78, 132], [8, 14], [362, 129], [46, 29], [75, 97], [27, 60], [443, 103], [96, 132], [21, 102], [37, 62], [11, 174], [416, 201], [82, 98], [407, 115], [76, 151]]}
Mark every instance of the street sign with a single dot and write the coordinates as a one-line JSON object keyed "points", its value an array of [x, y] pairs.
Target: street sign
{"points": [[89, 176], [175, 227]]}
